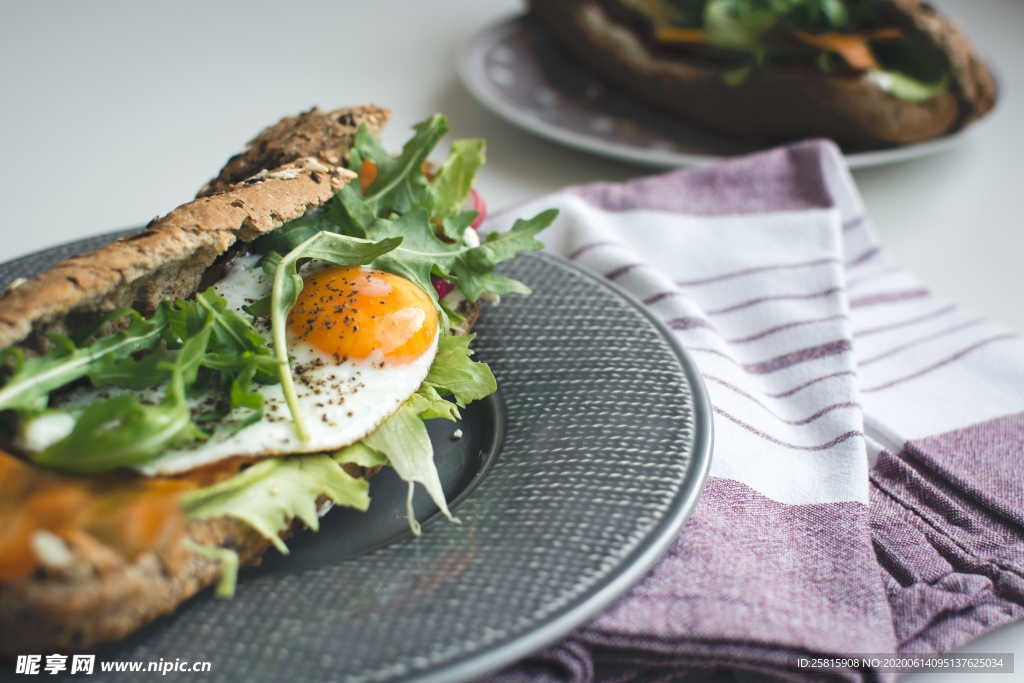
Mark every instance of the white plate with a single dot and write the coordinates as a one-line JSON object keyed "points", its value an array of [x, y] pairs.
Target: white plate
{"points": [[514, 69]]}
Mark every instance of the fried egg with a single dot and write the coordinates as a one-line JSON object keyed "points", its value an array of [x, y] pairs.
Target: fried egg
{"points": [[361, 342]]}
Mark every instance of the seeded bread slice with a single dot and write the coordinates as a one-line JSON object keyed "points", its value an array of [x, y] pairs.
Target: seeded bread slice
{"points": [[168, 258], [71, 604]]}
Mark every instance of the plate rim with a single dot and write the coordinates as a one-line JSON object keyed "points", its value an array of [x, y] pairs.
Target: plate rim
{"points": [[470, 71], [617, 582], [648, 552]]}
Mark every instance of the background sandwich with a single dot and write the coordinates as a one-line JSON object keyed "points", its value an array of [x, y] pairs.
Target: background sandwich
{"points": [[866, 74]]}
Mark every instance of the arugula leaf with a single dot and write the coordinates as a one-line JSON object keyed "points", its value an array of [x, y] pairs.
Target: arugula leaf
{"points": [[455, 226], [402, 203], [473, 272], [230, 330], [271, 493], [203, 346], [471, 268], [358, 211], [403, 440], [295, 232], [337, 249], [149, 371], [242, 397], [452, 182], [400, 185], [121, 431], [34, 378], [420, 255]]}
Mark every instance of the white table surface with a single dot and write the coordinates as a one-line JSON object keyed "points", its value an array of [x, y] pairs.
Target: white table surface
{"points": [[114, 112]]}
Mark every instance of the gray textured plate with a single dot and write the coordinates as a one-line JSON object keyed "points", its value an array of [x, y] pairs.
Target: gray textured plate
{"points": [[518, 73], [606, 443]]}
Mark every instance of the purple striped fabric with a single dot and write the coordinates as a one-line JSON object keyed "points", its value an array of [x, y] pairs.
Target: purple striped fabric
{"points": [[822, 357]]}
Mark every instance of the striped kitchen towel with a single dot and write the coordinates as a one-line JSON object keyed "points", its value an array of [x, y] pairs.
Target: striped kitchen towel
{"points": [[867, 486]]}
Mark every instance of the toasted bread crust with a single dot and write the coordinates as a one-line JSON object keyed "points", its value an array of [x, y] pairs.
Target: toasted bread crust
{"points": [[972, 82], [323, 135], [168, 258], [772, 103], [70, 611]]}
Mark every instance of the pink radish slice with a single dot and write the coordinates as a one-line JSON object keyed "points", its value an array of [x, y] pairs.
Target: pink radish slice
{"points": [[441, 286], [478, 204]]}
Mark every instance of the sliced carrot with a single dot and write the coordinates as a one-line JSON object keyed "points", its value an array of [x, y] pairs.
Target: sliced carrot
{"points": [[16, 556], [367, 174], [852, 47], [887, 33], [135, 519], [675, 34]]}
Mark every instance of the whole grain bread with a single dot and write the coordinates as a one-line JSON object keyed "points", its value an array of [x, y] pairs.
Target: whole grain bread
{"points": [[80, 606], [323, 135], [287, 169], [169, 257], [776, 103]]}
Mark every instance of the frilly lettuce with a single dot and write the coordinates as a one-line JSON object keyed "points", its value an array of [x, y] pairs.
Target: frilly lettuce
{"points": [[270, 494], [403, 439]]}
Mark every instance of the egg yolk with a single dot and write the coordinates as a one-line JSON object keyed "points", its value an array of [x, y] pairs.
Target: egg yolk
{"points": [[356, 312]]}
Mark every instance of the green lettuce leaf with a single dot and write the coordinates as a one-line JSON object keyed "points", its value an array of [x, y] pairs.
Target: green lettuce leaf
{"points": [[270, 494], [428, 403], [404, 441], [455, 373], [228, 561], [739, 24], [905, 87], [360, 454]]}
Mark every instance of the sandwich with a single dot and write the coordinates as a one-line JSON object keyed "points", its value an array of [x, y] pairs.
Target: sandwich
{"points": [[866, 73], [177, 402]]}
